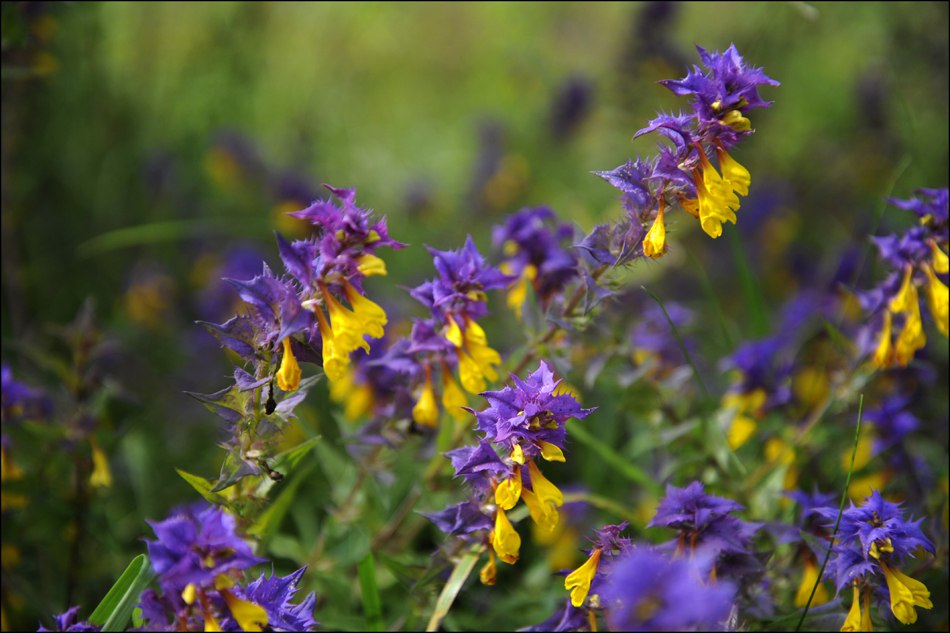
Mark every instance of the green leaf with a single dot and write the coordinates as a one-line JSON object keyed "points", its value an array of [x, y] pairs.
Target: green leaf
{"points": [[613, 459], [116, 608], [270, 519], [372, 605], [459, 575], [203, 487], [292, 457]]}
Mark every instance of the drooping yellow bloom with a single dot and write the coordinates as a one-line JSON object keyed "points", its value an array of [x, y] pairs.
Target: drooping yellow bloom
{"points": [[906, 593], [505, 540], [544, 489], [452, 397], [808, 581], [551, 452], [716, 201], [655, 241], [544, 514], [346, 329], [475, 358], [101, 476], [856, 621], [517, 454], [426, 411], [369, 264], [883, 352], [578, 581], [938, 298], [249, 616], [746, 406], [941, 263], [912, 337], [489, 572], [519, 289], [357, 399], [733, 173], [288, 376], [509, 491]]}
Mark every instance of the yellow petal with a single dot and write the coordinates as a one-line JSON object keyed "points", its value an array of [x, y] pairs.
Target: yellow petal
{"points": [[454, 333], [452, 397], [509, 491], [906, 593], [941, 262], [734, 173], [907, 295], [544, 514], [742, 428], [249, 616], [517, 454], [369, 264], [544, 489], [190, 593], [938, 299], [426, 412], [288, 376], [805, 587], [854, 621], [489, 571], [654, 243], [550, 452], [505, 540], [578, 581], [882, 354], [101, 476]]}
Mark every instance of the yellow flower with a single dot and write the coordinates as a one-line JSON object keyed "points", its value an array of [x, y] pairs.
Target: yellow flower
{"points": [[941, 263], [426, 412], [369, 264], [551, 452], [544, 514], [519, 289], [489, 572], [452, 397], [505, 540], [883, 353], [938, 298], [808, 581], [476, 359], [733, 173], [509, 491], [288, 376], [655, 241], [578, 581], [856, 621], [544, 489], [906, 593], [249, 616], [101, 476]]}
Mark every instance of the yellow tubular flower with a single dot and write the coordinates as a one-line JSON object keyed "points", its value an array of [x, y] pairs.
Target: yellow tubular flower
{"points": [[912, 337], [249, 616], [347, 327], [578, 581], [334, 362], [941, 262], [854, 621], [655, 241], [883, 353], [550, 452], [509, 491], [426, 412], [505, 540], [544, 489], [489, 571], [476, 359], [938, 298], [369, 264], [517, 454], [733, 173], [907, 295], [101, 476], [519, 289], [452, 397], [906, 593], [808, 581], [544, 514], [371, 316], [288, 376]]}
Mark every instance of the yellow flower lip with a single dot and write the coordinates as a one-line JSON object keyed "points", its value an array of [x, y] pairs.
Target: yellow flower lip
{"points": [[578, 581], [288, 376]]}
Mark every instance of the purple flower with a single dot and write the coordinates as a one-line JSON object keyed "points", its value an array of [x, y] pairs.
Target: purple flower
{"points": [[647, 591], [532, 242], [68, 621], [529, 414], [20, 402], [275, 594], [567, 618], [195, 545]]}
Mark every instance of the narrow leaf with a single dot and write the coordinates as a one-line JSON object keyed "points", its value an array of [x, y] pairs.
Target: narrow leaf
{"points": [[459, 575], [203, 487], [116, 608], [372, 605]]}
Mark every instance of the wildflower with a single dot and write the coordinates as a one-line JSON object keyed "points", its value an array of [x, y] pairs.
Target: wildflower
{"points": [[876, 539], [274, 596], [586, 579], [535, 256], [648, 591], [919, 261], [69, 621], [761, 384]]}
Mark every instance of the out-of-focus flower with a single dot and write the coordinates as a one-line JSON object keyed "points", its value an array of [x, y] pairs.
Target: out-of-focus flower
{"points": [[69, 621], [534, 254], [919, 261], [649, 591]]}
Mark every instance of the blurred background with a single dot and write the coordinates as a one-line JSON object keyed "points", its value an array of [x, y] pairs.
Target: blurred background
{"points": [[150, 149]]}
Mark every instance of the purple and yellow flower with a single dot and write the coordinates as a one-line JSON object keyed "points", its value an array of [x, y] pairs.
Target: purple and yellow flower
{"points": [[875, 539]]}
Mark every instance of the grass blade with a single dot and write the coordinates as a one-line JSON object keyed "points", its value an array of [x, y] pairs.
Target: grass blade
{"points": [[459, 575], [116, 608], [834, 533], [372, 605]]}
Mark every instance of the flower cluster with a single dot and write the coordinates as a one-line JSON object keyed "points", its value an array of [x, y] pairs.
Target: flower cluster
{"points": [[683, 173], [315, 310], [918, 259], [521, 424], [533, 246], [451, 336], [875, 539], [200, 560]]}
